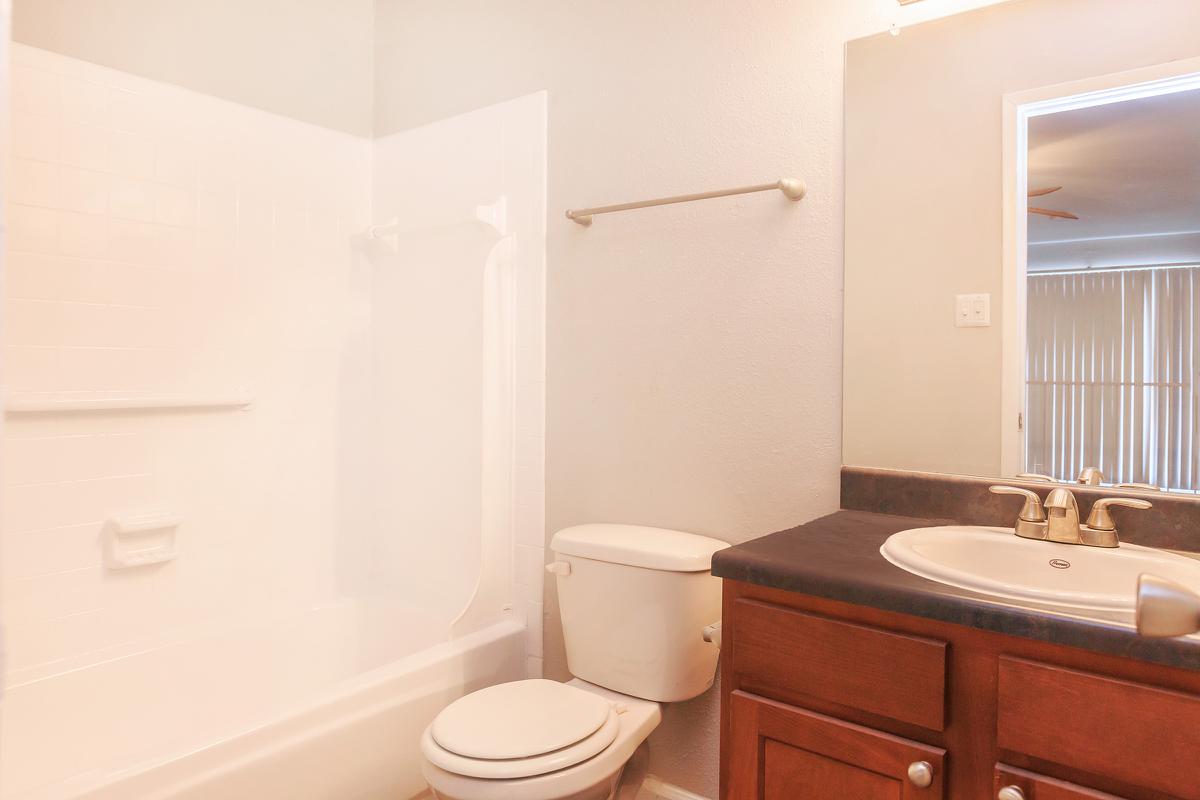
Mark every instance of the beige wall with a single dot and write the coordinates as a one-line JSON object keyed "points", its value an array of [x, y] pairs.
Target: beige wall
{"points": [[694, 351], [308, 59], [924, 209]]}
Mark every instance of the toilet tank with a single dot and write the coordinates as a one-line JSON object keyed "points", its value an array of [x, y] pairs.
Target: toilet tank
{"points": [[634, 602]]}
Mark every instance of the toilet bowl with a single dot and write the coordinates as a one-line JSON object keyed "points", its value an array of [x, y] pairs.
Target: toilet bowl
{"points": [[554, 775], [634, 603]]}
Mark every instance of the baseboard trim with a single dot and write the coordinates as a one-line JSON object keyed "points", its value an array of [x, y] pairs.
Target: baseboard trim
{"points": [[658, 789]]}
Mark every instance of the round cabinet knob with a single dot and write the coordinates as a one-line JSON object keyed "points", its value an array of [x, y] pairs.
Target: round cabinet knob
{"points": [[920, 773], [1011, 793]]}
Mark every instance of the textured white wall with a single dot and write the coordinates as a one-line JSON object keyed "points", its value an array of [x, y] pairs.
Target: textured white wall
{"points": [[694, 352], [309, 59]]}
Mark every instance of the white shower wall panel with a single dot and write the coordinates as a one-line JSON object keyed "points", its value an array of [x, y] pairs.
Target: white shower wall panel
{"points": [[167, 244], [460, 295], [382, 491]]}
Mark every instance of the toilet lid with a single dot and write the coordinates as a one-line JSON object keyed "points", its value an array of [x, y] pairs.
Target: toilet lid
{"points": [[519, 720], [517, 768]]}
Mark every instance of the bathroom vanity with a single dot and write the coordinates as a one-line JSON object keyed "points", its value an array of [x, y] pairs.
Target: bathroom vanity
{"points": [[844, 676]]}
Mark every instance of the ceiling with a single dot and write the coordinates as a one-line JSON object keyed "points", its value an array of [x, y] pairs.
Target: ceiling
{"points": [[1130, 171]]}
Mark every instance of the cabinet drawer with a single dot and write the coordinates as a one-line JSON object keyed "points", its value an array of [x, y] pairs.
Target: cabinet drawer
{"points": [[891, 675], [1039, 787], [778, 752], [1129, 732]]}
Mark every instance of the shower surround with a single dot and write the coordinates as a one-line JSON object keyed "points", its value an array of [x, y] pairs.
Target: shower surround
{"points": [[347, 432]]}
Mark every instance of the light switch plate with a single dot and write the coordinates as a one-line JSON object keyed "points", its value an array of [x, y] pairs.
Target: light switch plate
{"points": [[973, 310]]}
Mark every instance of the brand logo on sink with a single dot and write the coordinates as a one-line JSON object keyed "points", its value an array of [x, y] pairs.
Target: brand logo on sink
{"points": [[1060, 563]]}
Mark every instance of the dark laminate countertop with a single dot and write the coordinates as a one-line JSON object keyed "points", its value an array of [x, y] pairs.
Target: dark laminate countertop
{"points": [[837, 557]]}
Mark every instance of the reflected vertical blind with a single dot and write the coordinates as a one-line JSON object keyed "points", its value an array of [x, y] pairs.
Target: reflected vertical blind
{"points": [[1112, 375]]}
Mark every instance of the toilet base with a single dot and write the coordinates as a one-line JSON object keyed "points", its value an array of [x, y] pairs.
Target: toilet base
{"points": [[604, 790], [598, 778], [625, 786]]}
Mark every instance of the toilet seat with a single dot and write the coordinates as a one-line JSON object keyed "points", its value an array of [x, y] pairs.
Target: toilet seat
{"points": [[501, 769], [590, 777], [520, 729]]}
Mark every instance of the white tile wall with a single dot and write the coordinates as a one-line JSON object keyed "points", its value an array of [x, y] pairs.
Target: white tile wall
{"points": [[166, 243]]}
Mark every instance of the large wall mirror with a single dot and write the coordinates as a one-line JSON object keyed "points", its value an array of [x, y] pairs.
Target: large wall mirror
{"points": [[1023, 244]]}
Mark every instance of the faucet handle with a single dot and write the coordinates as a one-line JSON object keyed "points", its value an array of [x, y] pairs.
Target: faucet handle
{"points": [[1101, 520], [1031, 523], [1148, 487], [1036, 476], [1033, 511]]}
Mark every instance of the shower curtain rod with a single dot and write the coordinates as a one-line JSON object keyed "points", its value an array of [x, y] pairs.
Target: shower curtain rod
{"points": [[792, 188]]}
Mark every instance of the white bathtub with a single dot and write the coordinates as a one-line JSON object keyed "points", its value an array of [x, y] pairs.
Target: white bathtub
{"points": [[357, 742]]}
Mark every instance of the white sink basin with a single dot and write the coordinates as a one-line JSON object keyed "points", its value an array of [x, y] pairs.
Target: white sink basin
{"points": [[1071, 578]]}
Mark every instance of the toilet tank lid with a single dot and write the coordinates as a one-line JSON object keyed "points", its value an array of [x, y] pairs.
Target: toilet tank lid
{"points": [[638, 546]]}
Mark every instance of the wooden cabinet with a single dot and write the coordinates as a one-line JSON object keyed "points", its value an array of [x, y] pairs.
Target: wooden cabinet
{"points": [[779, 752], [1038, 787], [1131, 732], [884, 673], [823, 700]]}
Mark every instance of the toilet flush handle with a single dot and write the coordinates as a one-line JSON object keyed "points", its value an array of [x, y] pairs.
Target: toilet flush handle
{"points": [[559, 568], [712, 633]]}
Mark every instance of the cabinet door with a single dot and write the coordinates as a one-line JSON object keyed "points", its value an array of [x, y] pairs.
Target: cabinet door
{"points": [[1131, 734], [779, 752], [1032, 786]]}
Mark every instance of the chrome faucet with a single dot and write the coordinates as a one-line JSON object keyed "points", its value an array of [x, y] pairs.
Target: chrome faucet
{"points": [[1062, 517], [1058, 519], [1089, 476]]}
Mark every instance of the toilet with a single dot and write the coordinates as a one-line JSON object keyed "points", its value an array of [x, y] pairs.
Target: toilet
{"points": [[634, 602]]}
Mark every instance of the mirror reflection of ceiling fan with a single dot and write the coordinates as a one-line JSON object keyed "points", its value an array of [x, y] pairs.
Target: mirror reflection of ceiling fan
{"points": [[1049, 212]]}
